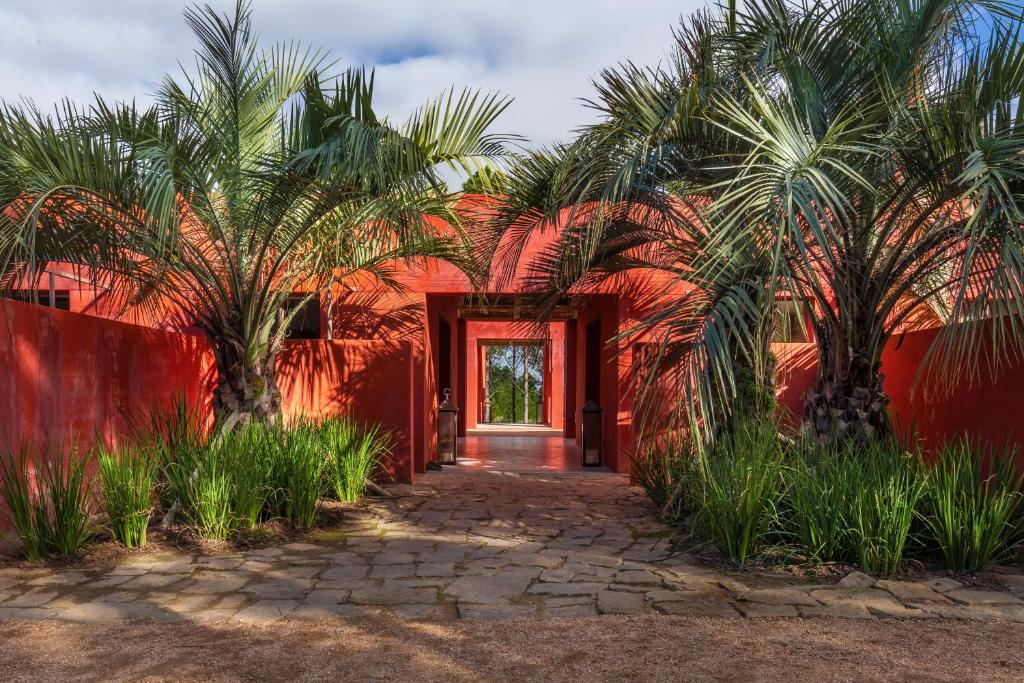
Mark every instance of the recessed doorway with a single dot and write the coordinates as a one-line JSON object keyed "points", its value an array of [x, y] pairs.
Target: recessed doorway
{"points": [[513, 382]]}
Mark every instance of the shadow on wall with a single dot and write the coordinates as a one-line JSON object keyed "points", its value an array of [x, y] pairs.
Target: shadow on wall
{"points": [[986, 405], [370, 380]]}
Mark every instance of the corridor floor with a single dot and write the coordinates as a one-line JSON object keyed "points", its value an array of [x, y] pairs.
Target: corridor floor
{"points": [[521, 448]]}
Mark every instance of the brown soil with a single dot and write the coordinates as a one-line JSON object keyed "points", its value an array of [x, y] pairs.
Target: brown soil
{"points": [[600, 648]]}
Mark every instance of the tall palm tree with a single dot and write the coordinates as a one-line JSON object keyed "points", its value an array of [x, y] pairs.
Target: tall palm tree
{"points": [[252, 176], [630, 195], [864, 156], [884, 171]]}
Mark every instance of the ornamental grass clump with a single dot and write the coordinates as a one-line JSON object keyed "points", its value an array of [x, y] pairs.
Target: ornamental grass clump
{"points": [[301, 469], [50, 511], [887, 487], [854, 503], [355, 453], [26, 515], [127, 478], [250, 453], [819, 506], [665, 470], [971, 505], [739, 486]]}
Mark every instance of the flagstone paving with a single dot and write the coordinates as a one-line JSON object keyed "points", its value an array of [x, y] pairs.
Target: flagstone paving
{"points": [[481, 545]]}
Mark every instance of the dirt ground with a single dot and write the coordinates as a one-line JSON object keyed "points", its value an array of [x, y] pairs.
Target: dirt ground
{"points": [[591, 649]]}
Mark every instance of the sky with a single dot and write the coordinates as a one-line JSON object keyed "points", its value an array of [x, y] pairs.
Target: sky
{"points": [[543, 53]]}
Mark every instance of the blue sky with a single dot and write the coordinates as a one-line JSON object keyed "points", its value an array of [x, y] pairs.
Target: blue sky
{"points": [[543, 53]]}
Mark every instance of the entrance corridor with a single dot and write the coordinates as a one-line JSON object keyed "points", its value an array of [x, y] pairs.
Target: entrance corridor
{"points": [[521, 448]]}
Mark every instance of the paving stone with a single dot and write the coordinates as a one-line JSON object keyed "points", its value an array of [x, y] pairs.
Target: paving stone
{"points": [[841, 610], [222, 563], [59, 579], [8, 582], [182, 566], [732, 585], [557, 575], [105, 582], [618, 602], [755, 610], [326, 597], [638, 578], [435, 569], [105, 612], [390, 594], [943, 584], [778, 596], [393, 558], [698, 606], [951, 611], [972, 597], [1014, 582], [37, 597], [347, 571], [217, 582], [150, 581], [321, 612], [487, 589], [572, 588], [856, 580], [278, 589], [119, 596], [392, 571], [587, 569], [868, 598], [909, 591]]}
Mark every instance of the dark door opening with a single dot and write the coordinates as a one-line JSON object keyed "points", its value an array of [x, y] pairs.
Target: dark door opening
{"points": [[513, 383], [592, 363], [444, 357]]}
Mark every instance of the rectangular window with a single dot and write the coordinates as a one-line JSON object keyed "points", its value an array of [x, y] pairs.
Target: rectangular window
{"points": [[306, 323], [790, 323], [61, 297]]}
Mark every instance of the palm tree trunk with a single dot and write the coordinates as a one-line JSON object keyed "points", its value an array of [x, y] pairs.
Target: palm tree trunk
{"points": [[848, 401], [246, 390]]}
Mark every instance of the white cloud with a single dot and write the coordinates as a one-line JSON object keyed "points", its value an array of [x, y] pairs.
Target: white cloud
{"points": [[541, 52]]}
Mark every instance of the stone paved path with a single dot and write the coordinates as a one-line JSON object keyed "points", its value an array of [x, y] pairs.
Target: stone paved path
{"points": [[484, 545]]}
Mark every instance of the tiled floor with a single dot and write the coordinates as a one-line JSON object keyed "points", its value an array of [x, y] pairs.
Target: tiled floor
{"points": [[520, 448]]}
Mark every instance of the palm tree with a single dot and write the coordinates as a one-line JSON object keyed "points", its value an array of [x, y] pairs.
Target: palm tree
{"points": [[863, 156], [251, 177], [630, 195], [884, 170]]}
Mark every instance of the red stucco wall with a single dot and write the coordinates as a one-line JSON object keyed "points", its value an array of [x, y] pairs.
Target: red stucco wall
{"points": [[81, 377], [988, 408]]}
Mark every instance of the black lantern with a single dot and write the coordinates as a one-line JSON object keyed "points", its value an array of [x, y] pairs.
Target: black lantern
{"points": [[591, 434], [447, 431]]}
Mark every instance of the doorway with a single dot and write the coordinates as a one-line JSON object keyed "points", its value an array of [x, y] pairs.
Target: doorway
{"points": [[514, 382]]}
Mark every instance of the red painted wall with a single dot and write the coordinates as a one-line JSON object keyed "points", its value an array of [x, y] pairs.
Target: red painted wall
{"points": [[988, 408], [78, 376]]}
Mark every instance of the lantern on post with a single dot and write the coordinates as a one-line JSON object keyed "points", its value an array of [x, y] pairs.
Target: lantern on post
{"points": [[447, 431], [591, 434]]}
